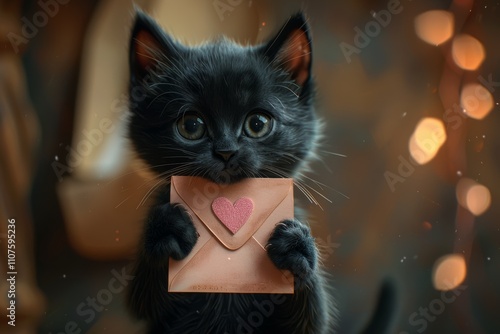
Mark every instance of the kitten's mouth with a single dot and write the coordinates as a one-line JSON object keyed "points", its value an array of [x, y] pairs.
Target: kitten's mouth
{"points": [[226, 176]]}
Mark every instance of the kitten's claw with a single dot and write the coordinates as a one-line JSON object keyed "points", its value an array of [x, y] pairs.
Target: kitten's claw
{"points": [[292, 247], [169, 232]]}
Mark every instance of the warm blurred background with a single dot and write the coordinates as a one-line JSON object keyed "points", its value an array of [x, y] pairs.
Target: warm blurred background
{"points": [[408, 89]]}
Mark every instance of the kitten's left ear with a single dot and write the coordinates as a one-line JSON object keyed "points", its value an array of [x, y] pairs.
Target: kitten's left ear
{"points": [[290, 49], [150, 46]]}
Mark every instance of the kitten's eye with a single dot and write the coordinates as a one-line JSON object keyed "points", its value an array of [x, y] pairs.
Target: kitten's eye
{"points": [[258, 125], [191, 126]]}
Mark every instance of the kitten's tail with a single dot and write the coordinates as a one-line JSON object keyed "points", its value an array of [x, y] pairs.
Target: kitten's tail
{"points": [[385, 310]]}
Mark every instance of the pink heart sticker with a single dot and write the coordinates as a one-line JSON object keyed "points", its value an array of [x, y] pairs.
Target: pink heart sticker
{"points": [[233, 216]]}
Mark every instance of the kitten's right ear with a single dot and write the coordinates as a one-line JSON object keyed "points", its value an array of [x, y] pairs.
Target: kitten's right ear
{"points": [[149, 47], [290, 50]]}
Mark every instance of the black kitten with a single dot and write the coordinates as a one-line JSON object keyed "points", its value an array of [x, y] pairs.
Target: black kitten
{"points": [[224, 112]]}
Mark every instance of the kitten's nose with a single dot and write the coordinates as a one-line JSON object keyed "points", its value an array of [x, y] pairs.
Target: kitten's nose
{"points": [[225, 154]]}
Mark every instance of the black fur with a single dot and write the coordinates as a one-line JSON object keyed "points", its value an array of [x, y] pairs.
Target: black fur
{"points": [[292, 247], [177, 238], [224, 83]]}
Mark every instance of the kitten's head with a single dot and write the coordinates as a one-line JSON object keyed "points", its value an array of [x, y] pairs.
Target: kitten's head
{"points": [[221, 110]]}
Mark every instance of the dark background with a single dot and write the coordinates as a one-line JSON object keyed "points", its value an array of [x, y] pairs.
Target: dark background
{"points": [[371, 105]]}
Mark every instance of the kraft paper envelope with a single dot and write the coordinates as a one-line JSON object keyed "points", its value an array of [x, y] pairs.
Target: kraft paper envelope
{"points": [[234, 223]]}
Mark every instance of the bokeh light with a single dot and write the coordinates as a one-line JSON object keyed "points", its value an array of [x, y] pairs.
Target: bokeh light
{"points": [[427, 138], [473, 196], [476, 101], [434, 26], [449, 272], [468, 53]]}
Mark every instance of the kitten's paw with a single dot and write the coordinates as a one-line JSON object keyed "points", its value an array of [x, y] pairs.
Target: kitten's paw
{"points": [[292, 247], [169, 232]]}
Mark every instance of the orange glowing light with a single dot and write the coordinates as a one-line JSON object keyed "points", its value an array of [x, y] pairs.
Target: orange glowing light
{"points": [[476, 100], [449, 272], [468, 53], [434, 26], [427, 138], [473, 196]]}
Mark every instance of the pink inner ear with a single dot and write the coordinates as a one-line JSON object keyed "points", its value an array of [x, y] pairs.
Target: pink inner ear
{"points": [[233, 216], [145, 46], [296, 56]]}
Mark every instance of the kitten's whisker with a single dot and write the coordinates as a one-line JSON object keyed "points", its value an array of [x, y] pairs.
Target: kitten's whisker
{"points": [[272, 106], [320, 184], [160, 84], [119, 204], [170, 100], [297, 57], [326, 166], [152, 51], [173, 66], [178, 157], [282, 105], [139, 169], [302, 186], [317, 192], [150, 191], [290, 157], [164, 176], [283, 86], [293, 84], [204, 171], [186, 152], [297, 182], [333, 153], [274, 41], [160, 65], [158, 57]]}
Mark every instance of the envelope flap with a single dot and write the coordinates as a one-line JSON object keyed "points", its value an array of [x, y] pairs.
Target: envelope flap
{"points": [[199, 194]]}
